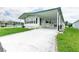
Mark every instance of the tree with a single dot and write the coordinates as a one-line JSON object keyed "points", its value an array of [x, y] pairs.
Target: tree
{"points": [[66, 23], [70, 25]]}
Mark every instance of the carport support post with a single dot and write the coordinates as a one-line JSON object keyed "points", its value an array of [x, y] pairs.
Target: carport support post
{"points": [[57, 21]]}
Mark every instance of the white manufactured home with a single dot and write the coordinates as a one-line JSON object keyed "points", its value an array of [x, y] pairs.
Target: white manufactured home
{"points": [[76, 24], [51, 18]]}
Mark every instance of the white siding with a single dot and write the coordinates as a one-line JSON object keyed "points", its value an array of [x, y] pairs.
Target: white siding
{"points": [[48, 25], [61, 22], [32, 19], [76, 25]]}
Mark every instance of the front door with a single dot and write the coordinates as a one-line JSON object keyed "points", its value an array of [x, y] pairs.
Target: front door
{"points": [[47, 24], [40, 21]]}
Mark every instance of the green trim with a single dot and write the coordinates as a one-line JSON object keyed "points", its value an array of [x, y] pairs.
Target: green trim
{"points": [[24, 15]]}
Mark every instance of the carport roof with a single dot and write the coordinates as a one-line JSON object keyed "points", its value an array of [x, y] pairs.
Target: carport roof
{"points": [[25, 15]]}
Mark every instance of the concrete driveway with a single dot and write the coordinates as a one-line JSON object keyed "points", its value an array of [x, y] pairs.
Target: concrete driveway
{"points": [[37, 40]]}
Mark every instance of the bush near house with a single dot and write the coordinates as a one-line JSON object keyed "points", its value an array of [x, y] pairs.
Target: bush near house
{"points": [[67, 24], [68, 41], [7, 31]]}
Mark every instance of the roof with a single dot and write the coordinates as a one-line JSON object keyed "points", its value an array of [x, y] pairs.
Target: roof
{"points": [[76, 21], [24, 15]]}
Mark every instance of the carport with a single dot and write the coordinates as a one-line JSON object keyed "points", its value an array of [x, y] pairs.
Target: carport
{"points": [[51, 18]]}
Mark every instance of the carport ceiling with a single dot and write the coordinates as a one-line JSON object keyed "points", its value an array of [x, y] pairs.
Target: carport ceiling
{"points": [[47, 14]]}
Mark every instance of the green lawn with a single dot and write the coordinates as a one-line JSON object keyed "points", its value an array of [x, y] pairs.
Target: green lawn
{"points": [[68, 41], [7, 31]]}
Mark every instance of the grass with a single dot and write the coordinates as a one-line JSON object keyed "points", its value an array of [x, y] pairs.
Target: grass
{"points": [[8, 31], [68, 41]]}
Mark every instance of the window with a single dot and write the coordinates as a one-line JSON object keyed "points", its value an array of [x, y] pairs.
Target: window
{"points": [[36, 20], [40, 20], [55, 25], [47, 21], [31, 21]]}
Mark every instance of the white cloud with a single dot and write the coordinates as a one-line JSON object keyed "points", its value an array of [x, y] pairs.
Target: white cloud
{"points": [[7, 13], [70, 14]]}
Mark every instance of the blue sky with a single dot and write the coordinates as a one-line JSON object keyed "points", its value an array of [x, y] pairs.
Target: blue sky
{"points": [[70, 14]]}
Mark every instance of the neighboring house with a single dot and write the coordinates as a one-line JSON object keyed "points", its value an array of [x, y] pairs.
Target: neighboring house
{"points": [[76, 24], [51, 18], [11, 23]]}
